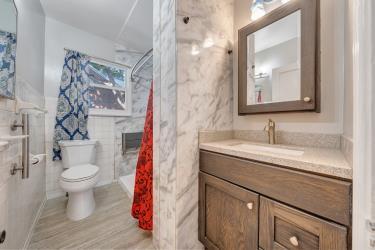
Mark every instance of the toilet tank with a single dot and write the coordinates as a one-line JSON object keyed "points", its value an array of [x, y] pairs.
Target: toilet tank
{"points": [[77, 152]]}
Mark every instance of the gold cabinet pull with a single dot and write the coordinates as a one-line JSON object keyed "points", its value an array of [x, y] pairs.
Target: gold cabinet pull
{"points": [[294, 241]]}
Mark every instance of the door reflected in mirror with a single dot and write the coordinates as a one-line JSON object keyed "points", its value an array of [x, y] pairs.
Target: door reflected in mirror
{"points": [[274, 62], [8, 44]]}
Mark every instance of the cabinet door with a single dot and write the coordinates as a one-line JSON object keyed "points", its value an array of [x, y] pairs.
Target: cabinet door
{"points": [[228, 215], [282, 227]]}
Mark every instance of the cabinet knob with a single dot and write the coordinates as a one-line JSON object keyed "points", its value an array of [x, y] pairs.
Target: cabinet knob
{"points": [[250, 205], [307, 99], [294, 241]]}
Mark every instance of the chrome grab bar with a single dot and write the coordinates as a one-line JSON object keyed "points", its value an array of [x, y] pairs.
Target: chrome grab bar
{"points": [[25, 147]]}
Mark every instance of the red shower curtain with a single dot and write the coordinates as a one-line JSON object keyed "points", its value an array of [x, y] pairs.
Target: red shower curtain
{"points": [[142, 201]]}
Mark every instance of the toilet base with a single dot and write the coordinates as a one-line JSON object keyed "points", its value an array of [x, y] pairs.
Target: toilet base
{"points": [[80, 204]]}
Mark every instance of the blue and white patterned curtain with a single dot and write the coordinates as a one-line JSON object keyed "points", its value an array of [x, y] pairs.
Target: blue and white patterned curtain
{"points": [[7, 62], [73, 102]]}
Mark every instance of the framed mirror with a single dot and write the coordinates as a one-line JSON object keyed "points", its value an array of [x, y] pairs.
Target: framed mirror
{"points": [[278, 59], [8, 45]]}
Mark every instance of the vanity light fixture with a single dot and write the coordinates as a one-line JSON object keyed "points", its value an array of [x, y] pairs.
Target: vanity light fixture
{"points": [[257, 9]]}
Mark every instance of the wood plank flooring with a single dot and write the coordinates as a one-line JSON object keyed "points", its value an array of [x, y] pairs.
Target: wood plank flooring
{"points": [[110, 227]]}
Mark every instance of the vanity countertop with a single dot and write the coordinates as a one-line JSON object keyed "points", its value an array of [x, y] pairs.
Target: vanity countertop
{"points": [[326, 161]]}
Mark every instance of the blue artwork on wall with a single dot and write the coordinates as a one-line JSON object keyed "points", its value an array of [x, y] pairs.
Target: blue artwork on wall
{"points": [[8, 44]]}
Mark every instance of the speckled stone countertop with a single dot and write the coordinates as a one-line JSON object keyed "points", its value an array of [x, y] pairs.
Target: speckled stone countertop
{"points": [[327, 161]]}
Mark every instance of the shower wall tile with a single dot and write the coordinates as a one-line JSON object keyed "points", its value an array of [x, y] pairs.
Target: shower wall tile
{"points": [[188, 97], [204, 99], [156, 122], [165, 116], [126, 164]]}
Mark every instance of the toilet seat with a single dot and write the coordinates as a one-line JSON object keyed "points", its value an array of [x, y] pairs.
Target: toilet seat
{"points": [[80, 173]]}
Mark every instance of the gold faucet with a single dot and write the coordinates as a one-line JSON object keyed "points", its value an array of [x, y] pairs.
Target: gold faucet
{"points": [[270, 129]]}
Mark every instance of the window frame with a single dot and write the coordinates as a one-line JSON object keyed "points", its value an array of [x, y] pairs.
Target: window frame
{"points": [[127, 89]]}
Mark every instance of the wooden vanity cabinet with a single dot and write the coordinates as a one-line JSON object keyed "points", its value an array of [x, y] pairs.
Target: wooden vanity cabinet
{"points": [[250, 205], [228, 215]]}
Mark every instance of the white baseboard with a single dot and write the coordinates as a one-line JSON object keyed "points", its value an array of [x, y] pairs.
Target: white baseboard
{"points": [[31, 230]]}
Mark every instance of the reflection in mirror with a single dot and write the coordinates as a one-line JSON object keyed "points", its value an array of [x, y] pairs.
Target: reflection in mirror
{"points": [[8, 38], [273, 62]]}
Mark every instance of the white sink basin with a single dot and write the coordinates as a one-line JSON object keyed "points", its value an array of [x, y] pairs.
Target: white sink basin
{"points": [[275, 150]]}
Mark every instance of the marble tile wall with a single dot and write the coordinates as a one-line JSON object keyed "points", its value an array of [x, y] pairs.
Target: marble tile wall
{"points": [[20, 200], [157, 32], [187, 97], [126, 164], [164, 129], [215, 135], [204, 98]]}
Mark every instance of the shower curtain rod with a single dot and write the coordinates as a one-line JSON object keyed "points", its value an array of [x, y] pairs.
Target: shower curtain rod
{"points": [[99, 58], [135, 69]]}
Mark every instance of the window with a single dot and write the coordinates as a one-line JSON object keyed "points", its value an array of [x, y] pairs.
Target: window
{"points": [[109, 89]]}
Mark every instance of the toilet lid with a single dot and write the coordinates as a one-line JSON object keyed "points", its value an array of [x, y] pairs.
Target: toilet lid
{"points": [[80, 172]]}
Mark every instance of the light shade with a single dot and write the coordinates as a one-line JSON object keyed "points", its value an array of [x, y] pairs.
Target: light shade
{"points": [[257, 10]]}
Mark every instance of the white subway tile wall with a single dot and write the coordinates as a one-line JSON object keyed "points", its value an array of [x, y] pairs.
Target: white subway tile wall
{"points": [[101, 129]]}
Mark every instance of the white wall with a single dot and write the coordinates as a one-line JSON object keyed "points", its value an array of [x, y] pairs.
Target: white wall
{"points": [[330, 120], [348, 99], [20, 199], [30, 44], [59, 36]]}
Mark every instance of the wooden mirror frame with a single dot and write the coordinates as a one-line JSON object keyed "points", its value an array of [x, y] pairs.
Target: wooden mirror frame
{"points": [[310, 59]]}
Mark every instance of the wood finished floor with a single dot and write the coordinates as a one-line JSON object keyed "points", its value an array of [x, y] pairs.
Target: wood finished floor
{"points": [[110, 227]]}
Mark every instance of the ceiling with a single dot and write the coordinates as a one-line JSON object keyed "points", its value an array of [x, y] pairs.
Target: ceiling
{"points": [[127, 22]]}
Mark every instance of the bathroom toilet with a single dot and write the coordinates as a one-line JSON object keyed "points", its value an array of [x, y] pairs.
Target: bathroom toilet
{"points": [[79, 177]]}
